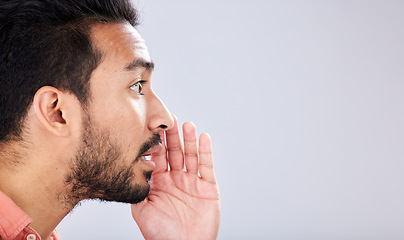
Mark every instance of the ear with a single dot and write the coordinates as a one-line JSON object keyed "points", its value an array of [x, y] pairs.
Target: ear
{"points": [[49, 104]]}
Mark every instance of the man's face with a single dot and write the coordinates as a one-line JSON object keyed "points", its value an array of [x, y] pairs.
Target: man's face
{"points": [[121, 122]]}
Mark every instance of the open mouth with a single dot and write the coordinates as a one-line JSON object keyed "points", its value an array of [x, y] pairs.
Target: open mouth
{"points": [[146, 157]]}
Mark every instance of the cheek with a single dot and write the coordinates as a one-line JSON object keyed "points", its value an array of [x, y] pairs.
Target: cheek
{"points": [[123, 116], [121, 112], [137, 111], [129, 128], [128, 123]]}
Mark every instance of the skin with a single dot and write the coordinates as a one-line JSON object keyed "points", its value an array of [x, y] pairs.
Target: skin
{"points": [[183, 202]]}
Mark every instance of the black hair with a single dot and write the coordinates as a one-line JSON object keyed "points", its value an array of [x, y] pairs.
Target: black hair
{"points": [[48, 43]]}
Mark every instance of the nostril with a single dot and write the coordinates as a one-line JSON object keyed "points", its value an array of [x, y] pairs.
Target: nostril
{"points": [[162, 126]]}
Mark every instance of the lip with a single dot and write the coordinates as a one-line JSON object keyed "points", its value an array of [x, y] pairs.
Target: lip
{"points": [[147, 161], [152, 150]]}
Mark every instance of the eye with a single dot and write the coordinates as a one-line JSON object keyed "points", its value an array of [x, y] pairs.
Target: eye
{"points": [[138, 87]]}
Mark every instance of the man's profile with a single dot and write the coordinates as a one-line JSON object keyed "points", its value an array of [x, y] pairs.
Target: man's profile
{"points": [[79, 120]]}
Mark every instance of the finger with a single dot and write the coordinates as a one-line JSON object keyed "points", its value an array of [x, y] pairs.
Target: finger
{"points": [[174, 147], [206, 169], [160, 157], [190, 147]]}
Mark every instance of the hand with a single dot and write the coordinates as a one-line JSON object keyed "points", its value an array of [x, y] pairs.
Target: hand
{"points": [[184, 201]]}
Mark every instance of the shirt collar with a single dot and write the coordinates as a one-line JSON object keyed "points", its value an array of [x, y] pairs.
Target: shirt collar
{"points": [[12, 219]]}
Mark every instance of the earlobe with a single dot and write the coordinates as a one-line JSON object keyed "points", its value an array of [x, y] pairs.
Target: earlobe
{"points": [[48, 102]]}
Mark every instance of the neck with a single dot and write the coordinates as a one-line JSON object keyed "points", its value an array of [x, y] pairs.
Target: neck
{"points": [[39, 190]]}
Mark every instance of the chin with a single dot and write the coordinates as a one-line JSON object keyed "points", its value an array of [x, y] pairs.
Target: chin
{"points": [[135, 194], [131, 192]]}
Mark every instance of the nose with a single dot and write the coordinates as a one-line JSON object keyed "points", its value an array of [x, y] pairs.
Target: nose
{"points": [[159, 119]]}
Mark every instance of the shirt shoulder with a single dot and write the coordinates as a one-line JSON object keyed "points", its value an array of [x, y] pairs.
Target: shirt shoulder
{"points": [[12, 219], [14, 222]]}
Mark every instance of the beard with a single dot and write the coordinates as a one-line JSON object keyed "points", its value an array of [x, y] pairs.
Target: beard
{"points": [[98, 170]]}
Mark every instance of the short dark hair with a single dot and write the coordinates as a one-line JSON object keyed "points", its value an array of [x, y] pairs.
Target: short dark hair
{"points": [[48, 43]]}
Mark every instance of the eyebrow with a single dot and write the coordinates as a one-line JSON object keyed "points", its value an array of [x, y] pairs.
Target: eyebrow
{"points": [[149, 65]]}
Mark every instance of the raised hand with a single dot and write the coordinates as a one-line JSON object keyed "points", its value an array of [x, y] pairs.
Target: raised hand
{"points": [[184, 197]]}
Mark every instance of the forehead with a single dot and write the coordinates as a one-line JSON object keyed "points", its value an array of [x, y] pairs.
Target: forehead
{"points": [[119, 42]]}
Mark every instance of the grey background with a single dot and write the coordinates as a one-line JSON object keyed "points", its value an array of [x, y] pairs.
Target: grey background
{"points": [[304, 102]]}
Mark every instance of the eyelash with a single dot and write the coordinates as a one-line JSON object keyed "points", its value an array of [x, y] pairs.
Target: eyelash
{"points": [[141, 82]]}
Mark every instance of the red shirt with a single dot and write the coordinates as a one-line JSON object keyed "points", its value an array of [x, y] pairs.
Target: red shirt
{"points": [[14, 223]]}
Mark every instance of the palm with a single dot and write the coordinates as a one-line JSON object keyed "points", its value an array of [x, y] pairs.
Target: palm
{"points": [[181, 204]]}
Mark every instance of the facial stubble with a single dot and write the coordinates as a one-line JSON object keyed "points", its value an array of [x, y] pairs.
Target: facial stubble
{"points": [[98, 170]]}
